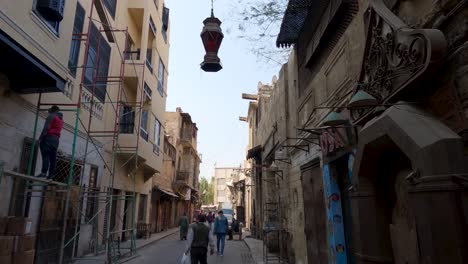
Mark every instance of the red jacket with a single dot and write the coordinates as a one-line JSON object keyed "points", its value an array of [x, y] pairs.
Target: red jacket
{"points": [[53, 125]]}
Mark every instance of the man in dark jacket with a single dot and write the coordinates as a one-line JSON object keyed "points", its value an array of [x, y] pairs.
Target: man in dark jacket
{"points": [[49, 141], [198, 239]]}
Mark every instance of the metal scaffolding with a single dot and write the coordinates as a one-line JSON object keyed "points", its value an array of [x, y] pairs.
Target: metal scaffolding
{"points": [[76, 203], [273, 227]]}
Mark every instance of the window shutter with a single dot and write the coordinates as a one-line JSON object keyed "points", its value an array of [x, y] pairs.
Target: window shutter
{"points": [[51, 9]]}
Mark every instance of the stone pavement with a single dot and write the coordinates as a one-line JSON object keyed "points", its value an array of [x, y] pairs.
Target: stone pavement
{"points": [[140, 244], [170, 250]]}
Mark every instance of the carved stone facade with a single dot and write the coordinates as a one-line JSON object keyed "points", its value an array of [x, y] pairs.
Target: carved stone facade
{"points": [[389, 186]]}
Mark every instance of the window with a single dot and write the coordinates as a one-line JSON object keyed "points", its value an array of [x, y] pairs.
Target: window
{"points": [[76, 42], [142, 207], [221, 181], [152, 26], [62, 171], [148, 92], [131, 53], [127, 120], [157, 136], [51, 11], [161, 70], [92, 199], [165, 23], [97, 77], [111, 6], [144, 125]]}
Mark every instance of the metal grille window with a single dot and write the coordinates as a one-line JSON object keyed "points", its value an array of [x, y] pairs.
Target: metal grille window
{"points": [[62, 171], [75, 44], [161, 70], [144, 125]]}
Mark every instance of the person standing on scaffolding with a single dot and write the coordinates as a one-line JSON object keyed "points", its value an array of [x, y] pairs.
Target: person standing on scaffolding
{"points": [[49, 141]]}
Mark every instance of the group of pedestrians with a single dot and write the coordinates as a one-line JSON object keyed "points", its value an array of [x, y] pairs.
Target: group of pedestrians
{"points": [[199, 236]]}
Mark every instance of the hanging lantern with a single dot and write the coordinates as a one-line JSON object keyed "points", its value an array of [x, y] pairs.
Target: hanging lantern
{"points": [[211, 36]]}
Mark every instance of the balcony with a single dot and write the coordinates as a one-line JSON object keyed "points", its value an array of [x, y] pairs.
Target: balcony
{"points": [[183, 176], [132, 55], [186, 138], [132, 71], [148, 163]]}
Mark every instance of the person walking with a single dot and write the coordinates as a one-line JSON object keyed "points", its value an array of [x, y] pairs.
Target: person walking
{"points": [[198, 239], [221, 226], [183, 226], [49, 141], [210, 219]]}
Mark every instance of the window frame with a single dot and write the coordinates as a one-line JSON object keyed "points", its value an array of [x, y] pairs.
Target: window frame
{"points": [[157, 136], [75, 45], [111, 7], [105, 51], [161, 73], [53, 26], [144, 130]]}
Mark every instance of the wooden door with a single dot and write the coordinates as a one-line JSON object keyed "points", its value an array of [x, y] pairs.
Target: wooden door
{"points": [[315, 215]]}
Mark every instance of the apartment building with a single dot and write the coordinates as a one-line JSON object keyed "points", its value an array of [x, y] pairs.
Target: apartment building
{"points": [[105, 64], [182, 133], [232, 190]]}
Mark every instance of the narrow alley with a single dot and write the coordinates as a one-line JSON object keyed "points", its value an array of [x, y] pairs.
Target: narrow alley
{"points": [[170, 249], [301, 131]]}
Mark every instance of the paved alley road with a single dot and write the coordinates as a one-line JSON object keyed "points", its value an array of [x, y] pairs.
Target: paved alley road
{"points": [[170, 249]]}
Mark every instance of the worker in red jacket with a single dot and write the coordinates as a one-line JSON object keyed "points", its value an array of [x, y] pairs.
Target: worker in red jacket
{"points": [[49, 141]]}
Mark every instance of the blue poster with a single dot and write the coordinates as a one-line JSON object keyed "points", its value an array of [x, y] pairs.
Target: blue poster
{"points": [[335, 225]]}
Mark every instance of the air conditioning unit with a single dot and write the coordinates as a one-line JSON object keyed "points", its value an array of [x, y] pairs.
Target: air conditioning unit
{"points": [[51, 9]]}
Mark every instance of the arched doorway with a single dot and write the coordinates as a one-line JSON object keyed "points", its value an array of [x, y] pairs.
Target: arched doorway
{"points": [[407, 206]]}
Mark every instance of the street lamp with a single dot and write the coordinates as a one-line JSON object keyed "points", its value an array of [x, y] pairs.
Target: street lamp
{"points": [[211, 36], [334, 119]]}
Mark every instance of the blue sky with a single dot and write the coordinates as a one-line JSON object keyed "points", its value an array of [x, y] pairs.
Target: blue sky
{"points": [[213, 99]]}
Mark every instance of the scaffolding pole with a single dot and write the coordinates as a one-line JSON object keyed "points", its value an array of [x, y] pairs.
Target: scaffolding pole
{"points": [[40, 186]]}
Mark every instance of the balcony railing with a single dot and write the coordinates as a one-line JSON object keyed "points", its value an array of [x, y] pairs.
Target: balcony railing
{"points": [[183, 176], [132, 54], [186, 134]]}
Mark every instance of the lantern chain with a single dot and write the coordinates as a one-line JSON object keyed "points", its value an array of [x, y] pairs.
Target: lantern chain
{"points": [[212, 13]]}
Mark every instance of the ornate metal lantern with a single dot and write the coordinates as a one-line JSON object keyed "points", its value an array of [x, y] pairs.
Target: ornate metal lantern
{"points": [[212, 36]]}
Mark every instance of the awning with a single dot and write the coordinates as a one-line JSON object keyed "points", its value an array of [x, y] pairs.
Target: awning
{"points": [[167, 192], [254, 152], [321, 16], [293, 21], [17, 63]]}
